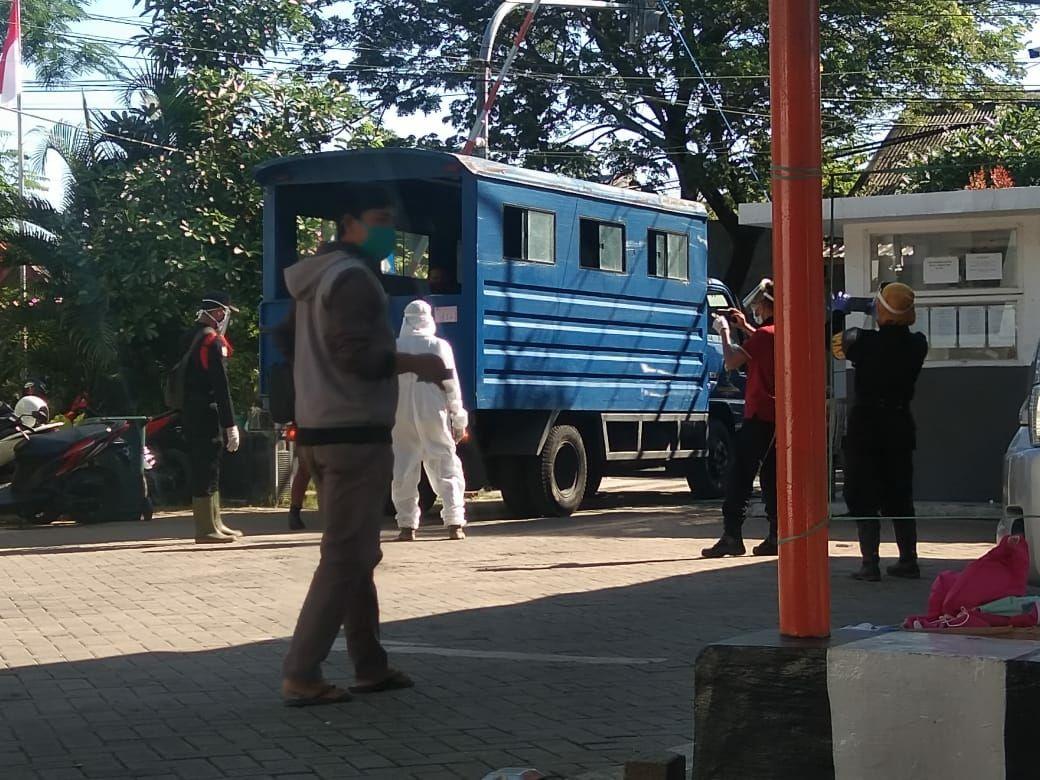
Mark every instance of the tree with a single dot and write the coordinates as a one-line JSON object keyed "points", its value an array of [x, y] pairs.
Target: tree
{"points": [[147, 227], [49, 45], [1004, 153], [584, 100], [161, 203], [65, 318]]}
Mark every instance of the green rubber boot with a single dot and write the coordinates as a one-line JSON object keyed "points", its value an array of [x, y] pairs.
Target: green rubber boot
{"points": [[218, 521], [205, 531]]}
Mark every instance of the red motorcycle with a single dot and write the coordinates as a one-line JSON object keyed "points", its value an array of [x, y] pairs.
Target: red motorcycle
{"points": [[167, 465], [89, 473]]}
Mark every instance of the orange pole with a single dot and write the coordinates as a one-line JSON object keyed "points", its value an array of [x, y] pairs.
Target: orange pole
{"points": [[801, 443]]}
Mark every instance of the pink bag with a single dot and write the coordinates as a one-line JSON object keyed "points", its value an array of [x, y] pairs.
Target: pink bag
{"points": [[973, 618], [955, 597], [1001, 572], [942, 585]]}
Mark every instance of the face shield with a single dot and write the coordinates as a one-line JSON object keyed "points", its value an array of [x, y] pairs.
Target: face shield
{"points": [[221, 324], [761, 292]]}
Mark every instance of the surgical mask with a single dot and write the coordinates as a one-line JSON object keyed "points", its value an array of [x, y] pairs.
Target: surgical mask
{"points": [[380, 243]]}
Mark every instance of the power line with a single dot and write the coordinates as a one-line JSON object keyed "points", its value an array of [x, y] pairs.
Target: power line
{"points": [[92, 131]]}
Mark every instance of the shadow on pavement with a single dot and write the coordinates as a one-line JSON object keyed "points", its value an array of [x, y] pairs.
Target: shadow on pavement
{"points": [[620, 514], [568, 683]]}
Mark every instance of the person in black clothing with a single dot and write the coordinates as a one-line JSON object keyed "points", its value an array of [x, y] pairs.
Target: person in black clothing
{"points": [[881, 436], [208, 415]]}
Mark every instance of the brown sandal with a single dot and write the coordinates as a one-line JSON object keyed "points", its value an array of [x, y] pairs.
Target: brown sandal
{"points": [[329, 694], [395, 680]]}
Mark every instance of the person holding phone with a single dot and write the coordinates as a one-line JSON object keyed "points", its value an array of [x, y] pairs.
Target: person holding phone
{"points": [[756, 440]]}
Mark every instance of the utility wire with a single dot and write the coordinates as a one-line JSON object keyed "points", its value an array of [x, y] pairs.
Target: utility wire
{"points": [[93, 132], [718, 106]]}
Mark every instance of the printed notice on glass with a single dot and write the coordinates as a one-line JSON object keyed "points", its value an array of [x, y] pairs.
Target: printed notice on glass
{"points": [[942, 327], [921, 326], [446, 314], [942, 270], [972, 330], [1002, 325], [984, 267]]}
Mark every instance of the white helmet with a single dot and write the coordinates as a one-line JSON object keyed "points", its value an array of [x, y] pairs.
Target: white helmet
{"points": [[31, 410]]}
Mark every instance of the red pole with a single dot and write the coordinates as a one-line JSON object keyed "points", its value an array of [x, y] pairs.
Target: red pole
{"points": [[801, 431]]}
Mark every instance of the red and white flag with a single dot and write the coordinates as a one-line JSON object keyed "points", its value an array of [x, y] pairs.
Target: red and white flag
{"points": [[11, 59]]}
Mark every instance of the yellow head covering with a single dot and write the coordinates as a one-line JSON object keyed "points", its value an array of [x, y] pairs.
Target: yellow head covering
{"points": [[895, 305]]}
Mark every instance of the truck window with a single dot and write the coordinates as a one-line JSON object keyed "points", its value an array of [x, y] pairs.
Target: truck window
{"points": [[528, 234], [602, 246], [668, 255], [411, 257], [717, 300]]}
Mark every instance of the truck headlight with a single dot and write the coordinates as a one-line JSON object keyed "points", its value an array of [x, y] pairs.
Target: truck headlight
{"points": [[1034, 416]]}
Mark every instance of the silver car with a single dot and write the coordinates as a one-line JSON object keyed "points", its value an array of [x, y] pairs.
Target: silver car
{"points": [[1021, 481]]}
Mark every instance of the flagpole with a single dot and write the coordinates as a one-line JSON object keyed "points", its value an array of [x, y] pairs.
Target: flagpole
{"points": [[23, 270]]}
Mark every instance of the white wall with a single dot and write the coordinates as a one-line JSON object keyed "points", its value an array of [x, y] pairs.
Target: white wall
{"points": [[1026, 287]]}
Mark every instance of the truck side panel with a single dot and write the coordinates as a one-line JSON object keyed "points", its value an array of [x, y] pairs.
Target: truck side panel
{"points": [[560, 336]]}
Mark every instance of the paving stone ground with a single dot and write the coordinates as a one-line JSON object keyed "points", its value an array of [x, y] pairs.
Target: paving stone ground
{"points": [[563, 644]]}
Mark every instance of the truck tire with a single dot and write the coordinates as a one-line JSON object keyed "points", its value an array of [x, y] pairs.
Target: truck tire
{"points": [[592, 481], [707, 475], [561, 476], [515, 486]]}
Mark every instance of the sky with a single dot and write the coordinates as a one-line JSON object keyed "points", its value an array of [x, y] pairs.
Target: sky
{"points": [[42, 108]]}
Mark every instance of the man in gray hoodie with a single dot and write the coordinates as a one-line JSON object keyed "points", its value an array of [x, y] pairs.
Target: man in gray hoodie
{"points": [[345, 368]]}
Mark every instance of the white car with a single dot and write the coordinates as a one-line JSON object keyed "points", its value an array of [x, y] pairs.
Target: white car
{"points": [[1021, 480]]}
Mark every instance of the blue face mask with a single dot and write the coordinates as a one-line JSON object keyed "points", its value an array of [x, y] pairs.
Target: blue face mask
{"points": [[380, 243]]}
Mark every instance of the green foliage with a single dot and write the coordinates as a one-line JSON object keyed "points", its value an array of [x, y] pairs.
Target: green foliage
{"points": [[145, 229], [193, 34], [1012, 141], [48, 46], [585, 101]]}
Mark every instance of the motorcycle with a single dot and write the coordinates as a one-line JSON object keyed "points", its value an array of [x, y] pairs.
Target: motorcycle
{"points": [[166, 460], [86, 473], [13, 431]]}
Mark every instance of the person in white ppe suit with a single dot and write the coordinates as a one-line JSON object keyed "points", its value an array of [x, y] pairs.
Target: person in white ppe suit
{"points": [[430, 422]]}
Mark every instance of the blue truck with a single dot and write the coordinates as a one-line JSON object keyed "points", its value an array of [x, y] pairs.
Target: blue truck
{"points": [[579, 314]]}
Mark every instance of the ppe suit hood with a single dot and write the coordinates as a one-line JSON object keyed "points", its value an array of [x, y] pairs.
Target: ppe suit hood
{"points": [[418, 320]]}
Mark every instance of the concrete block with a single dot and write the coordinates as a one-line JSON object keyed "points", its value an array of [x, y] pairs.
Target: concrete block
{"points": [[664, 767], [897, 705]]}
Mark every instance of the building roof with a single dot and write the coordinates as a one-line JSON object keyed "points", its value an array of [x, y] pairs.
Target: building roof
{"points": [[913, 134], [910, 206]]}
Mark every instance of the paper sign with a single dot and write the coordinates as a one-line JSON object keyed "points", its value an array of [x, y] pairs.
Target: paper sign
{"points": [[1002, 325], [972, 330], [942, 270], [446, 314], [984, 267], [921, 326], [943, 327]]}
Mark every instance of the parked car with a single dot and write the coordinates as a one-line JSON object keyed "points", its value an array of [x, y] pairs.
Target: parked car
{"points": [[1021, 478]]}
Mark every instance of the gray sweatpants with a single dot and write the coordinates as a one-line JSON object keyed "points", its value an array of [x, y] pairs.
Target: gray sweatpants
{"points": [[352, 482]]}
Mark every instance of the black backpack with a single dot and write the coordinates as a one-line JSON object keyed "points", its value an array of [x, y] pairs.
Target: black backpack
{"points": [[173, 385]]}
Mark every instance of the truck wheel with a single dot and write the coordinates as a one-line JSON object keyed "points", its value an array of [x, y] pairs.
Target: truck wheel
{"points": [[516, 492], [592, 482], [707, 475], [562, 472]]}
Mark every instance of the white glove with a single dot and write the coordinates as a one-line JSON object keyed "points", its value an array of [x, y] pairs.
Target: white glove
{"points": [[720, 325], [233, 438], [459, 422]]}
